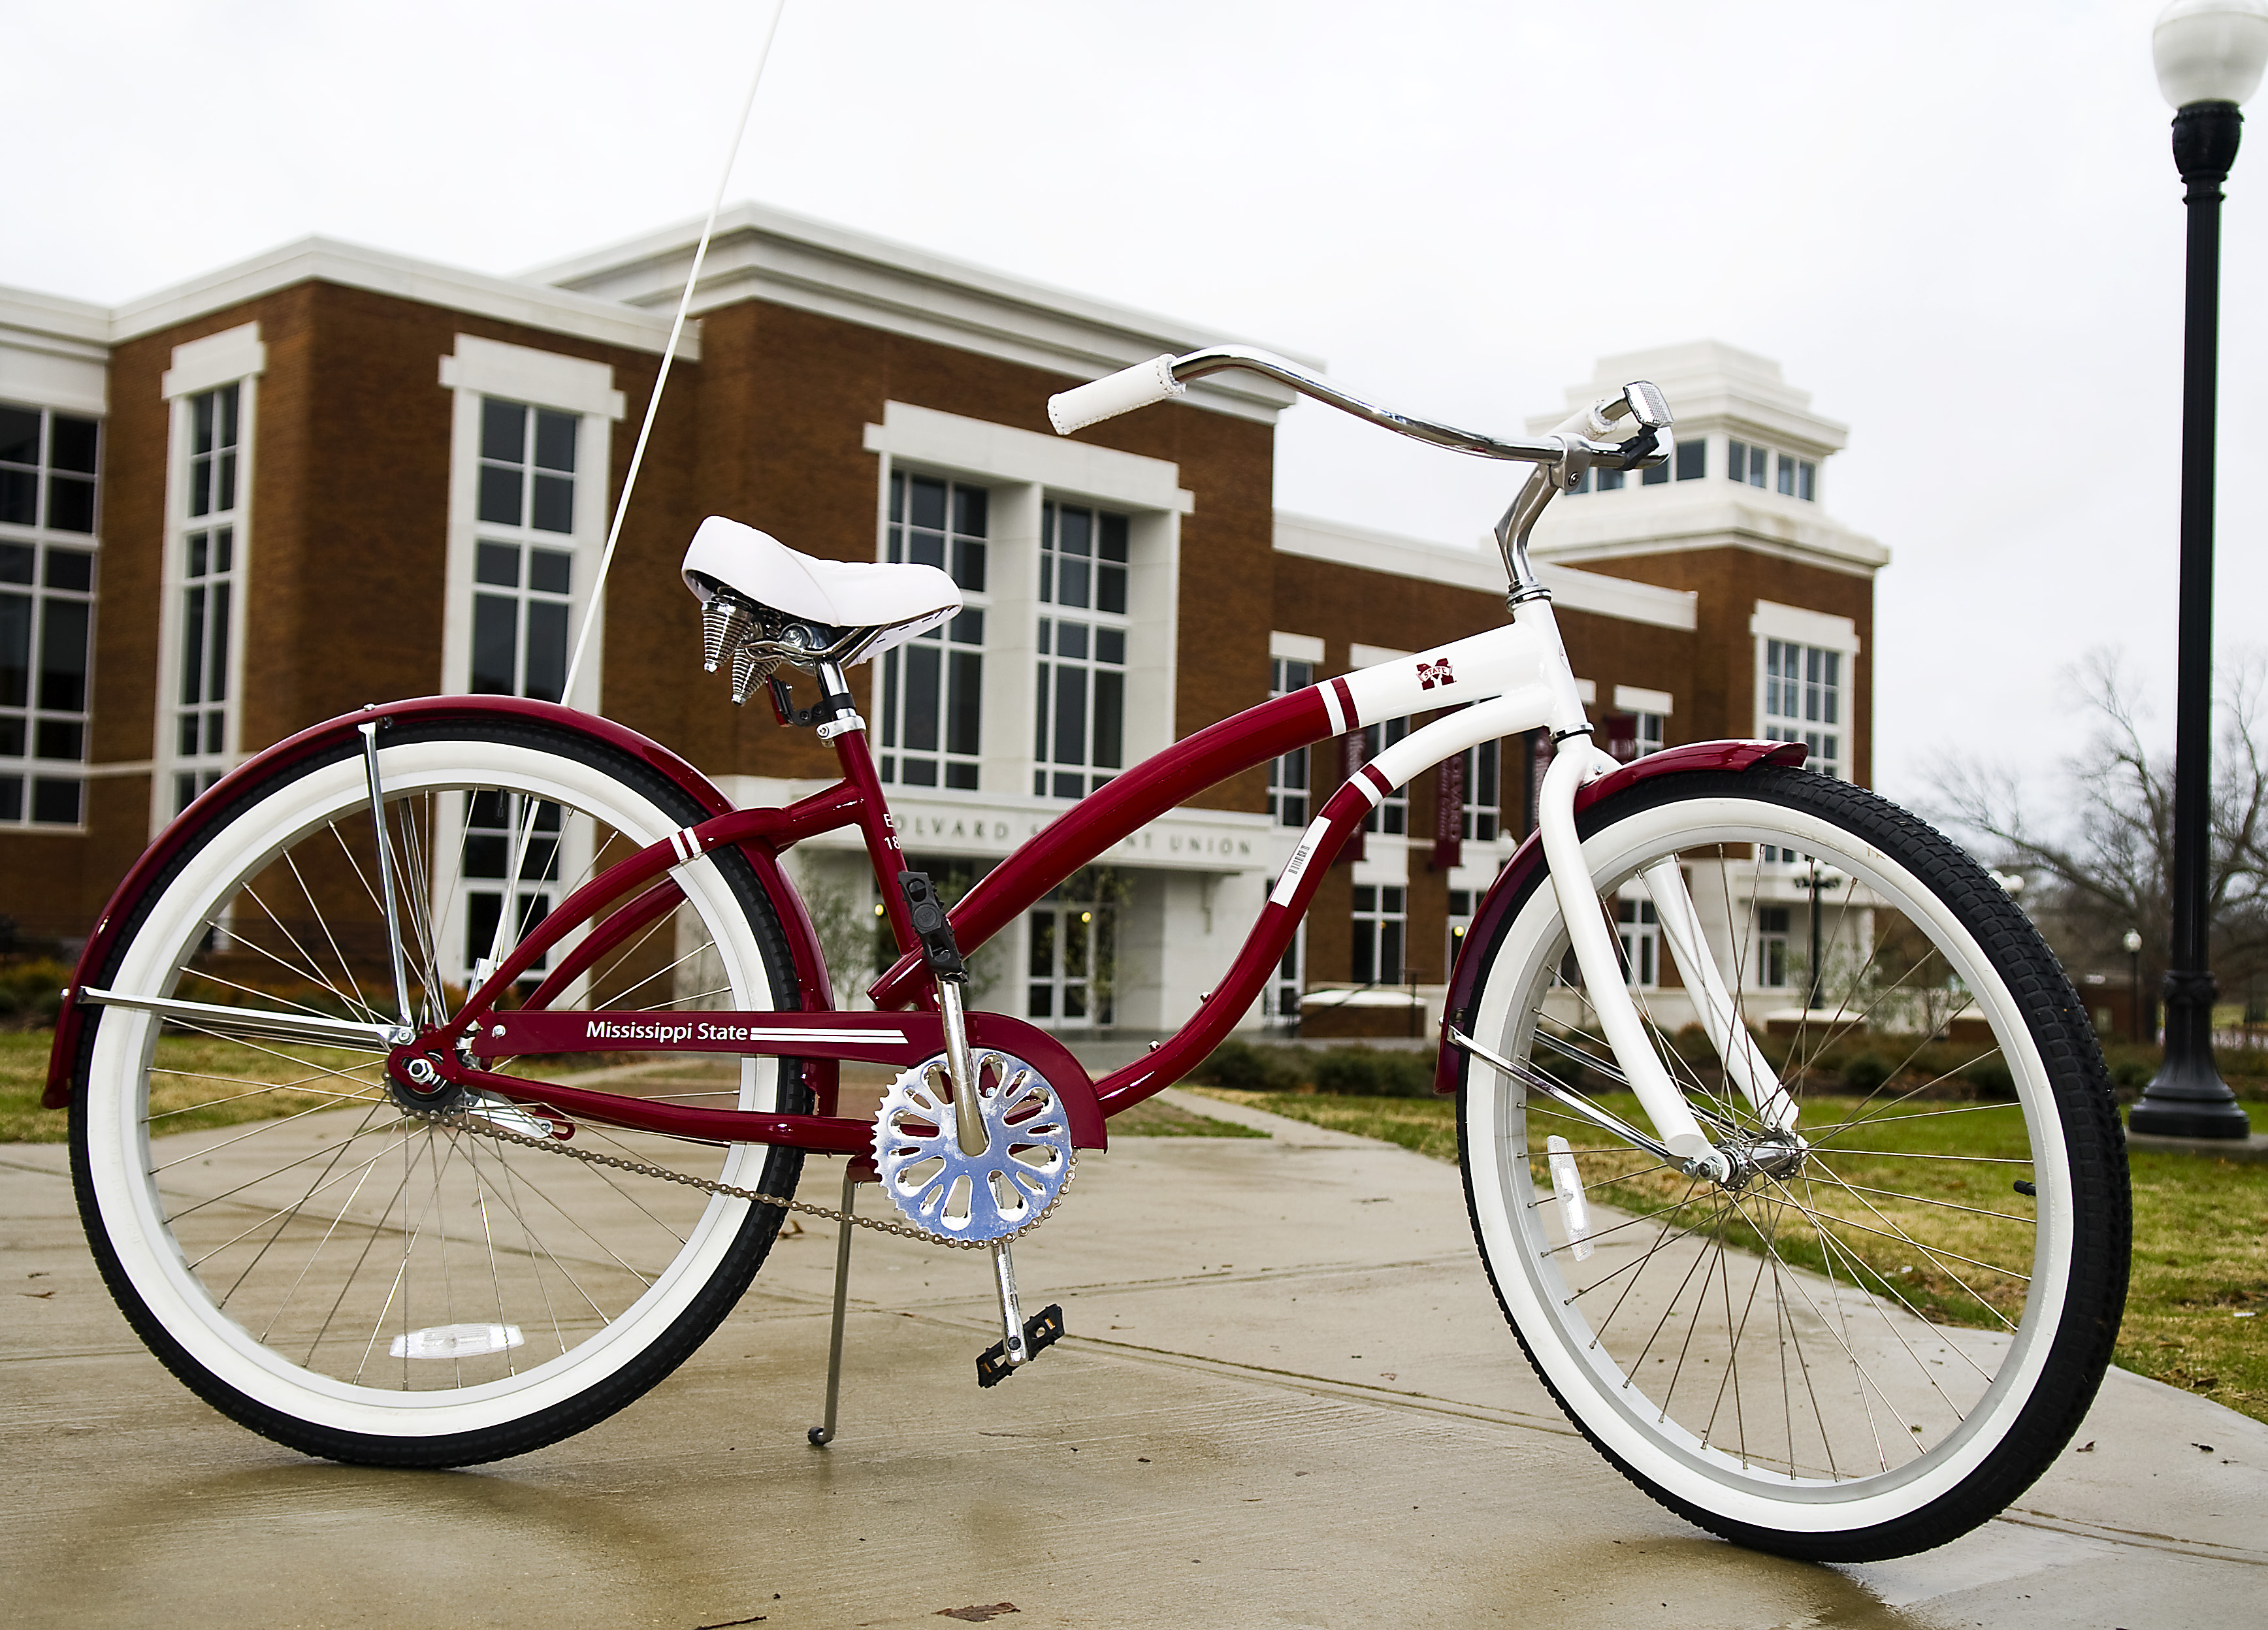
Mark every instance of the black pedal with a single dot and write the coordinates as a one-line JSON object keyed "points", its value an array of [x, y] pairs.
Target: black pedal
{"points": [[932, 927], [1042, 1331]]}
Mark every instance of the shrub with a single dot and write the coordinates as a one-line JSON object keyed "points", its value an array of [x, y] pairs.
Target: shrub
{"points": [[1248, 1068], [2131, 1073], [1369, 1072], [31, 990], [1865, 1072], [1991, 1078]]}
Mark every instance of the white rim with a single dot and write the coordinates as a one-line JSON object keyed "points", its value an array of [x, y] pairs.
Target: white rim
{"points": [[118, 1157], [1666, 1452]]}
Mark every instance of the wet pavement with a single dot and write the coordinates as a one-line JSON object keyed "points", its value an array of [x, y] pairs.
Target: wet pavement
{"points": [[1287, 1398]]}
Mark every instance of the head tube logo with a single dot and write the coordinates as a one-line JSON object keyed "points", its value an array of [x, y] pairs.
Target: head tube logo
{"points": [[1435, 672]]}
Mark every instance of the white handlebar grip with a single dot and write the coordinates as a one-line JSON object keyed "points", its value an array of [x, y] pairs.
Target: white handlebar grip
{"points": [[1589, 423], [1114, 393]]}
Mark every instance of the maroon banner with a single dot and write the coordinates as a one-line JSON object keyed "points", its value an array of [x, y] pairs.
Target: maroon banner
{"points": [[1448, 813], [1354, 753], [1540, 752], [1620, 731]]}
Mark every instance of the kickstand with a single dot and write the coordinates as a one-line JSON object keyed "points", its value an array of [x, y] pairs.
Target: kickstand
{"points": [[821, 1436]]}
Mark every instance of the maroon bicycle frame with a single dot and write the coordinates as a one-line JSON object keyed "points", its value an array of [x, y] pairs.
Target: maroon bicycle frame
{"points": [[905, 1029]]}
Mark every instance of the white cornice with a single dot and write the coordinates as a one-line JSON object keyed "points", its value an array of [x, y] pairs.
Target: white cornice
{"points": [[48, 322], [326, 260], [760, 253], [1713, 386], [1480, 570], [1686, 516]]}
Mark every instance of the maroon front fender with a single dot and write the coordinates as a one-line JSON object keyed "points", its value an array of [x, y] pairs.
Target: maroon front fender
{"points": [[70, 1019], [1527, 859]]}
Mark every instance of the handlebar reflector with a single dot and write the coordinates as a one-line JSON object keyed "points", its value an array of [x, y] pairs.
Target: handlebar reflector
{"points": [[1114, 393]]}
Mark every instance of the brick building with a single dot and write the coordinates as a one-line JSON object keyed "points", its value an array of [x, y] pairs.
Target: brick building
{"points": [[327, 475]]}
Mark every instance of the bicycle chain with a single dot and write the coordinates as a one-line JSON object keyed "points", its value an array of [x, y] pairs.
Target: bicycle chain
{"points": [[458, 1121]]}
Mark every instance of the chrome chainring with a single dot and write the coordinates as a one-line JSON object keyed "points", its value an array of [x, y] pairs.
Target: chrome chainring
{"points": [[984, 1198]]}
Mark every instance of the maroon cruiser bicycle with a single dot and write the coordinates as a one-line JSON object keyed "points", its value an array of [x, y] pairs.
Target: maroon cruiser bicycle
{"points": [[324, 1195]]}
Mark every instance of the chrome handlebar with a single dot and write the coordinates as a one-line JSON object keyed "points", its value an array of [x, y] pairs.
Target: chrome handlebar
{"points": [[1544, 450], [1562, 459]]}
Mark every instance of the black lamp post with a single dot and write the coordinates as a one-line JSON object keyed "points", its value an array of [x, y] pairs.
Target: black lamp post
{"points": [[2133, 943], [1822, 877], [2209, 55]]}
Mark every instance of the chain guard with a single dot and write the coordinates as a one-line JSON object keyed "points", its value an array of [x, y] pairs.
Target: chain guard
{"points": [[980, 1198]]}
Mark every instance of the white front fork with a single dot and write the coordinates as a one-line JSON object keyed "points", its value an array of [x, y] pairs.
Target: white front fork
{"points": [[1688, 949], [1595, 954]]}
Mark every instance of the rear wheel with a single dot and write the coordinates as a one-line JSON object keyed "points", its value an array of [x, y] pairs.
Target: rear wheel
{"points": [[1862, 1349], [357, 1283]]}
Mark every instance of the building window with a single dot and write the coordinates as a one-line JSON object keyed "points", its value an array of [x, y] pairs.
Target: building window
{"points": [[1803, 692], [1650, 731], [47, 467], [1771, 946], [1083, 558], [1797, 477], [1288, 776], [47, 614], [211, 569], [1280, 999], [1610, 480], [934, 522], [1461, 921], [1484, 805], [1072, 951], [933, 687], [1080, 739], [1639, 929], [1380, 918], [527, 467], [1392, 815], [520, 619], [493, 823], [48, 462]]}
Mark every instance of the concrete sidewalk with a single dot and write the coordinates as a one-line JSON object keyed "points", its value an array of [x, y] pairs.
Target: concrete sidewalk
{"points": [[1288, 1398]]}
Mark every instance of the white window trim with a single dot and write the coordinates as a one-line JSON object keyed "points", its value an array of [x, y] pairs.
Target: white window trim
{"points": [[1361, 656], [1024, 470], [1295, 647], [1632, 699], [1824, 632], [483, 368], [232, 357]]}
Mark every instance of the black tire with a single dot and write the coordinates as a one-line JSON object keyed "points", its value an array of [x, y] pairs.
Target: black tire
{"points": [[1888, 1341], [345, 1281]]}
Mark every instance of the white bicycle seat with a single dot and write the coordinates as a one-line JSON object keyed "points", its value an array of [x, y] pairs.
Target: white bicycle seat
{"points": [[906, 601]]}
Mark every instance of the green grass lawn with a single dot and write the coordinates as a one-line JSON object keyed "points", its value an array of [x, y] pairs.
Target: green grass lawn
{"points": [[194, 1094], [2200, 1231]]}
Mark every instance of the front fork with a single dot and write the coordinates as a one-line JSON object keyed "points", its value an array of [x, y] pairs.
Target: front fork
{"points": [[1607, 988]]}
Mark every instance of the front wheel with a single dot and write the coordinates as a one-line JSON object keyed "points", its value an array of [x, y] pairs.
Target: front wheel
{"points": [[1878, 1334], [338, 1275]]}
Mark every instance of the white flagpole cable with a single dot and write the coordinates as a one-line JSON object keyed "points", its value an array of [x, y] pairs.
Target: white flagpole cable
{"points": [[507, 928], [668, 355]]}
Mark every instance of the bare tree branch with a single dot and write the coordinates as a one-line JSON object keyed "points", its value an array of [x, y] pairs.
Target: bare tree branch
{"points": [[2103, 862]]}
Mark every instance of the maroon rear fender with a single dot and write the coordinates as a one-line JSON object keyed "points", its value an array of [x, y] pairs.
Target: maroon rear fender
{"points": [[1527, 859], [317, 739]]}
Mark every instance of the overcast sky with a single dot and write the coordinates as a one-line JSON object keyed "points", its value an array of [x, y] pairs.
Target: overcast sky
{"points": [[1957, 225]]}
